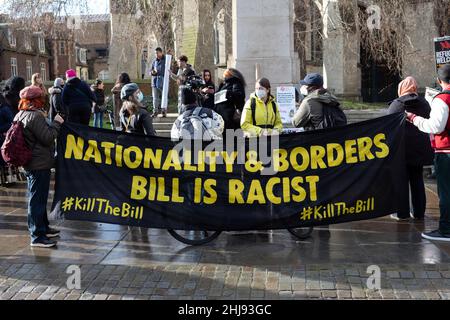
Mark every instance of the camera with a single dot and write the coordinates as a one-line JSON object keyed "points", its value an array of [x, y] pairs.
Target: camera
{"points": [[195, 82]]}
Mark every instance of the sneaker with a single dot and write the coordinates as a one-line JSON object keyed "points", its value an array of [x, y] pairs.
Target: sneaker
{"points": [[164, 114], [43, 243], [396, 217], [52, 233], [436, 236]]}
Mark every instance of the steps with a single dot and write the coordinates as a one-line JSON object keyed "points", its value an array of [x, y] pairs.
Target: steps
{"points": [[163, 126]]}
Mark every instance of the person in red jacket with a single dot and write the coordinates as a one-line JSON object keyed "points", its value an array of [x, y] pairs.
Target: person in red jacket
{"points": [[438, 125]]}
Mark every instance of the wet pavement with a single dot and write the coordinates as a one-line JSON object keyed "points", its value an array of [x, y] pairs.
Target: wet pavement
{"points": [[118, 262]]}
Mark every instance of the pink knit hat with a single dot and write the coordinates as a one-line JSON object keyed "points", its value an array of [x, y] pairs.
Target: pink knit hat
{"points": [[70, 74]]}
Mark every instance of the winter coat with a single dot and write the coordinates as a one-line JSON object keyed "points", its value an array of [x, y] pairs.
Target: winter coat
{"points": [[56, 105], [310, 113], [265, 118], [100, 97], [6, 119], [418, 147], [208, 99], [211, 121], [235, 100], [160, 66], [40, 137], [77, 95], [11, 93], [140, 123]]}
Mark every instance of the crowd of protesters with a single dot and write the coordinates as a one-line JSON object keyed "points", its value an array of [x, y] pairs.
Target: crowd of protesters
{"points": [[43, 112]]}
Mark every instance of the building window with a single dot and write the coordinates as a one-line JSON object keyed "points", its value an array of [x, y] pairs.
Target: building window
{"points": [[14, 67], [41, 43], [29, 70], [12, 38], [43, 71], [62, 48], [83, 55], [101, 53], [27, 43]]}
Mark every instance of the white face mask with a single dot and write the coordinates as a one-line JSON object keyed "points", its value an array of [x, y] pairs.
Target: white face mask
{"points": [[304, 90], [140, 96], [261, 93]]}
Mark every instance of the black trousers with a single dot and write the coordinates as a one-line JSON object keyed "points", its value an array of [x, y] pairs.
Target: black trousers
{"points": [[80, 115], [418, 196]]}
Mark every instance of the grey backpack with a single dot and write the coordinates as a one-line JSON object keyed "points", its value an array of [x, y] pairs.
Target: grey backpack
{"points": [[192, 126]]}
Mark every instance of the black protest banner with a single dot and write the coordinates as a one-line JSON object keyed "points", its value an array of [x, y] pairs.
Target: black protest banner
{"points": [[442, 51], [312, 178]]}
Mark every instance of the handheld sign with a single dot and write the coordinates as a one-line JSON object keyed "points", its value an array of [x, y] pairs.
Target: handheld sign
{"points": [[165, 93], [220, 97], [286, 103], [442, 51]]}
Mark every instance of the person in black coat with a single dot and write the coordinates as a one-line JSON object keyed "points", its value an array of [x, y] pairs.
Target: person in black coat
{"points": [[418, 148], [78, 98], [208, 90], [56, 105], [234, 84], [11, 93]]}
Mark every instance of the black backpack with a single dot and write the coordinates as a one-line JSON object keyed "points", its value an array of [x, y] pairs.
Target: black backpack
{"points": [[253, 107], [333, 116]]}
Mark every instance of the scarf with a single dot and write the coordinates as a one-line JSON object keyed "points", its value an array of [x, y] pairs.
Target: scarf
{"points": [[407, 86]]}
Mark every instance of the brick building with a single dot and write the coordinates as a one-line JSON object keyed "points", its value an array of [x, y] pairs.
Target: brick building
{"points": [[23, 53]]}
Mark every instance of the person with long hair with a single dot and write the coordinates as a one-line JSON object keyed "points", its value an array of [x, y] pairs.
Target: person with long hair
{"points": [[208, 90], [234, 84], [122, 80], [261, 115], [40, 136], [134, 116]]}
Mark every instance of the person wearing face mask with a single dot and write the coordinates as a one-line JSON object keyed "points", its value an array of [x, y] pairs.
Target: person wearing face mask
{"points": [[134, 117], [261, 115], [319, 109]]}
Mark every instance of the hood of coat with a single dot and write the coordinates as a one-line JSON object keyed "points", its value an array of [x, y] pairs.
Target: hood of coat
{"points": [[55, 90], [323, 96], [411, 101], [73, 82]]}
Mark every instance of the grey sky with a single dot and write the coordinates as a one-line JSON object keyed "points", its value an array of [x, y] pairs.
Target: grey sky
{"points": [[95, 7]]}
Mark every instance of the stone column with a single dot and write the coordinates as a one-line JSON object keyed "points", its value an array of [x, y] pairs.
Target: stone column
{"points": [[198, 32], [263, 34], [340, 54]]}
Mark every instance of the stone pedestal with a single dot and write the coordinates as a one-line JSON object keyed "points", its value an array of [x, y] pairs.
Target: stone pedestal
{"points": [[263, 36], [340, 54]]}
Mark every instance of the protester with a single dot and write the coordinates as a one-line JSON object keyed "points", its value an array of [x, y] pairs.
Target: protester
{"points": [[11, 93], [99, 107], [439, 125], [261, 116], [231, 110], [196, 122], [185, 71], [134, 116], [40, 137], [319, 109], [6, 119], [56, 105], [78, 98], [36, 81], [158, 71], [122, 80], [208, 90], [418, 149]]}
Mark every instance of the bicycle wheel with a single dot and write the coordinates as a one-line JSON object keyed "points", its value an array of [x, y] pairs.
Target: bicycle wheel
{"points": [[301, 233], [194, 238]]}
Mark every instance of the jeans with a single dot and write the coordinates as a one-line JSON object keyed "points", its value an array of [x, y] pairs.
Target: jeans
{"points": [[38, 188], [98, 120], [442, 166], [157, 99], [418, 196]]}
